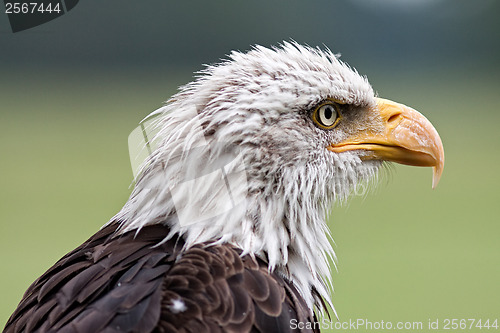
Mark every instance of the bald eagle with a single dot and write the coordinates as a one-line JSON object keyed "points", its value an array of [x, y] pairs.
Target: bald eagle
{"points": [[224, 230]]}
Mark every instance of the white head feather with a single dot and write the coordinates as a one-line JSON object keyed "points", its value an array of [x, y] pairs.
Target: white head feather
{"points": [[255, 109]]}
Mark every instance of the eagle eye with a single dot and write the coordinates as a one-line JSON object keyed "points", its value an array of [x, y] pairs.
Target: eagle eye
{"points": [[326, 115]]}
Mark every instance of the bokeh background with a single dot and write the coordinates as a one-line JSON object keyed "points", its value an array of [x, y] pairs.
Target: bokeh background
{"points": [[72, 90]]}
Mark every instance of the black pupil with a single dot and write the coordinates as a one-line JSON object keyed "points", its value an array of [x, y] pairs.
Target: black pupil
{"points": [[328, 112]]}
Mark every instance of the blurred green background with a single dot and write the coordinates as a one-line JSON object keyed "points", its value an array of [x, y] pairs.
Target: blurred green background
{"points": [[72, 90]]}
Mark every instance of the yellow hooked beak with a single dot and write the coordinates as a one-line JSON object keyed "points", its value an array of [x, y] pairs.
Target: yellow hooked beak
{"points": [[407, 137]]}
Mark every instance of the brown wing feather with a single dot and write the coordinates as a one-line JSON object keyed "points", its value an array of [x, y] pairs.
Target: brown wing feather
{"points": [[109, 283], [129, 283], [224, 292]]}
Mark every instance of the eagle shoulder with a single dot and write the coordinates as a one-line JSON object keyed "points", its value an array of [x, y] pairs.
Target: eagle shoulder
{"points": [[134, 282], [215, 289]]}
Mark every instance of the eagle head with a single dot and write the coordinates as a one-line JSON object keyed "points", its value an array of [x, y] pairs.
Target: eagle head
{"points": [[256, 149]]}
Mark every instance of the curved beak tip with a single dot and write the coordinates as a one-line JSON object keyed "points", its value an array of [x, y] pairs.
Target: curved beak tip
{"points": [[436, 176], [415, 133], [437, 169]]}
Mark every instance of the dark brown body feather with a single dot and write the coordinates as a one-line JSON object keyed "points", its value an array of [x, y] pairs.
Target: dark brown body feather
{"points": [[129, 283]]}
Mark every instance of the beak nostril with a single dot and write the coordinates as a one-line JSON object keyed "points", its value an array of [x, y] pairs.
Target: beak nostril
{"points": [[394, 117]]}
